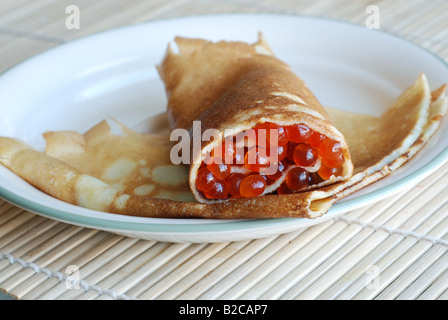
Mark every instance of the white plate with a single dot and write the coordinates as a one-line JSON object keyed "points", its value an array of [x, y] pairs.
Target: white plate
{"points": [[76, 85]]}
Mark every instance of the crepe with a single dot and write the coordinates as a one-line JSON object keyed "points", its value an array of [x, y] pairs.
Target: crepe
{"points": [[75, 167], [232, 87], [114, 169]]}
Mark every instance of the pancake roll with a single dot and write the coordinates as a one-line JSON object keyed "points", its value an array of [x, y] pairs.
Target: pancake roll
{"points": [[270, 135]]}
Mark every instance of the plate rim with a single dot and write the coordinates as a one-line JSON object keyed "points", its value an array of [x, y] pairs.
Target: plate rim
{"points": [[217, 225]]}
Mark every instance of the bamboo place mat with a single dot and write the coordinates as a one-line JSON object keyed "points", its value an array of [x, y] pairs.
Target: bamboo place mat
{"points": [[393, 249]]}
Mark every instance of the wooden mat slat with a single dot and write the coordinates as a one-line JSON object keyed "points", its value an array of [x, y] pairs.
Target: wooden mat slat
{"points": [[422, 250], [212, 257], [174, 269], [8, 8], [118, 247], [349, 283], [425, 22], [13, 218], [301, 263], [278, 250], [325, 259], [20, 248], [83, 249], [147, 263], [396, 246], [376, 258], [29, 229], [426, 270], [93, 249], [300, 271], [124, 252], [287, 259], [443, 296], [434, 289], [50, 18], [311, 287], [407, 13], [8, 213], [44, 255], [211, 269], [394, 263], [367, 218], [15, 49]]}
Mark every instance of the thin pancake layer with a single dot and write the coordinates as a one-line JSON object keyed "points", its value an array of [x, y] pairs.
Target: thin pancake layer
{"points": [[233, 87], [73, 169], [371, 138]]}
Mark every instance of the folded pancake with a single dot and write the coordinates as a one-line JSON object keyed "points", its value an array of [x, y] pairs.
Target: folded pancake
{"points": [[130, 173], [269, 135], [243, 87]]}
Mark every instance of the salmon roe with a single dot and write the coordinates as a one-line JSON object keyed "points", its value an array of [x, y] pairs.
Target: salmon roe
{"points": [[299, 133], [281, 168], [273, 130], [226, 151], [219, 170], [331, 153], [205, 179], [219, 190], [297, 179], [256, 159], [252, 186], [234, 182], [326, 172], [305, 155], [294, 150]]}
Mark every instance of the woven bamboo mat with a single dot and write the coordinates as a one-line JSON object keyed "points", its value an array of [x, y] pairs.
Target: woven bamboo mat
{"points": [[394, 249]]}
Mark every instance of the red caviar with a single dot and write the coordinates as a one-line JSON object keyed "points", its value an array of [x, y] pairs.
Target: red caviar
{"points": [[234, 182], [282, 152], [282, 138], [220, 171], [252, 186], [276, 154], [326, 172], [256, 159], [205, 179], [315, 178], [283, 189], [297, 179], [219, 190], [297, 148], [239, 157], [305, 155], [316, 139], [290, 151], [298, 133], [281, 168], [226, 151], [331, 153]]}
